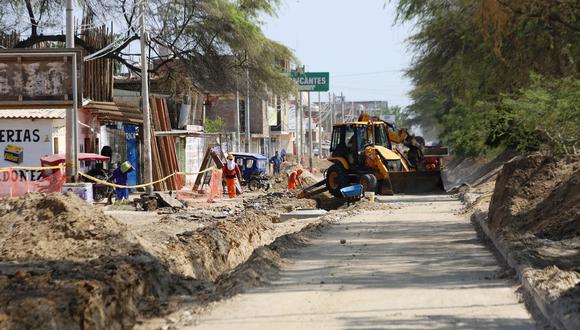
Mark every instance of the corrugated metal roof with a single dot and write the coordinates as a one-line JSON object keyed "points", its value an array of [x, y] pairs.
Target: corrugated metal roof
{"points": [[33, 113]]}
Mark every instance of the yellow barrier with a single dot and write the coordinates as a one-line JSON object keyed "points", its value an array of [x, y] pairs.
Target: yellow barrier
{"points": [[114, 185]]}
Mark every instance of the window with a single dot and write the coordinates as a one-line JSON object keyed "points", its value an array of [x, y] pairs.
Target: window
{"points": [[249, 163], [335, 138], [55, 145], [349, 137], [381, 136], [240, 162]]}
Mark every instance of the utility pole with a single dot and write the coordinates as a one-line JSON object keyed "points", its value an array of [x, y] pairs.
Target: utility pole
{"points": [[331, 104], [309, 134], [72, 143], [247, 110], [296, 139], [237, 133], [319, 127], [147, 157], [301, 133], [342, 107]]}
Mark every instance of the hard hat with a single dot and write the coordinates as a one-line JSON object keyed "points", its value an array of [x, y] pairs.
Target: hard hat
{"points": [[230, 157]]}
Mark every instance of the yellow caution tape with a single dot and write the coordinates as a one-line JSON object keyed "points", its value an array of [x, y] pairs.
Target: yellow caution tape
{"points": [[114, 185], [31, 168]]}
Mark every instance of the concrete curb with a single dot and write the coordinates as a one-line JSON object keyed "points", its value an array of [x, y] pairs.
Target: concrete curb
{"points": [[552, 314]]}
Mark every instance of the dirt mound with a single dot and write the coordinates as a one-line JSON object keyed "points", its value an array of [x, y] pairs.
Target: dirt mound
{"points": [[281, 182], [58, 227], [539, 195], [66, 265]]}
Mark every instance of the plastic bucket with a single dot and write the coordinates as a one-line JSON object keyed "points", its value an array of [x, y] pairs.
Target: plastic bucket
{"points": [[371, 195]]}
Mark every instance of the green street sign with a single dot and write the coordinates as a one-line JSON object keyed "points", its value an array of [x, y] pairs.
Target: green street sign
{"points": [[311, 81]]}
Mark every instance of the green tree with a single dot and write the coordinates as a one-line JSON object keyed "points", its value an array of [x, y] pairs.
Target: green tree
{"points": [[471, 54], [213, 41], [398, 112], [214, 125]]}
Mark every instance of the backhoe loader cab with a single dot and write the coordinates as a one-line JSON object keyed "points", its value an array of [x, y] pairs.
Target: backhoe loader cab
{"points": [[350, 139]]}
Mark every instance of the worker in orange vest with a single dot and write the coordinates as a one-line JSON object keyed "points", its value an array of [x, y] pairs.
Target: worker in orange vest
{"points": [[294, 178], [230, 172]]}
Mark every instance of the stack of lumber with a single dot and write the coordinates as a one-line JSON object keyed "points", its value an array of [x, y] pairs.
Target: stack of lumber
{"points": [[163, 148]]}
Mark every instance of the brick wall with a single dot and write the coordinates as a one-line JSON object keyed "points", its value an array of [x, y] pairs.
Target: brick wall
{"points": [[225, 107]]}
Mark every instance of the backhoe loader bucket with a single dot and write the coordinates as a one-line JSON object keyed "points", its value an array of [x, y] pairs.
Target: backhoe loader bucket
{"points": [[416, 182]]}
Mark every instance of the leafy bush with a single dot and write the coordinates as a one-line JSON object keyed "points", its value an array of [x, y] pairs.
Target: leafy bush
{"points": [[214, 125], [545, 115]]}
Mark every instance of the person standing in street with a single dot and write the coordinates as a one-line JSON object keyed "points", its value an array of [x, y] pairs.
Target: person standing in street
{"points": [[294, 178], [120, 177], [231, 172], [276, 161]]}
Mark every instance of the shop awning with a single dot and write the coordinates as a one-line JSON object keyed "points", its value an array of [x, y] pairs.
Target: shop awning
{"points": [[55, 159], [111, 112]]}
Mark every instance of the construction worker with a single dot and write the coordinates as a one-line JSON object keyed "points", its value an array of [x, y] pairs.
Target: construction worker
{"points": [[276, 161], [230, 172], [120, 177], [294, 178]]}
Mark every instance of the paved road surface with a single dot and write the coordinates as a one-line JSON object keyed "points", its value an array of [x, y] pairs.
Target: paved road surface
{"points": [[419, 266]]}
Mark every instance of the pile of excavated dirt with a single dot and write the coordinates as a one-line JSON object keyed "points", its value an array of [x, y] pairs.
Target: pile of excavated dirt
{"points": [[58, 227], [539, 195], [535, 211], [281, 182], [66, 265]]}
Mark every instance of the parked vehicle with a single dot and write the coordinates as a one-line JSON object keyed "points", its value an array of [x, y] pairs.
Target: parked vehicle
{"points": [[254, 168]]}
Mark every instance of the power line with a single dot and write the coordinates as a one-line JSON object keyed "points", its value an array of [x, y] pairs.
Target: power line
{"points": [[365, 73]]}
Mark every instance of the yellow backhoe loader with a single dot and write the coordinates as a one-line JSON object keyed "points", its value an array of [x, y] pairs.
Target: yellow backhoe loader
{"points": [[363, 152]]}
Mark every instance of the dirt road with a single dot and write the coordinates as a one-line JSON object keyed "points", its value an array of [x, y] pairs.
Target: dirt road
{"points": [[417, 266]]}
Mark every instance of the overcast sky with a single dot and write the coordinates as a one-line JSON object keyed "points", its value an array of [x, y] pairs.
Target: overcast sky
{"points": [[355, 41]]}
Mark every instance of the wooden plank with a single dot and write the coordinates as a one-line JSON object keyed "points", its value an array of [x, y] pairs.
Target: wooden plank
{"points": [[204, 165]]}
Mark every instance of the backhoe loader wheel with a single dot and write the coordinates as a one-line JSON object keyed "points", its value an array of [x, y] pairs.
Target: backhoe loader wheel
{"points": [[369, 182], [336, 179]]}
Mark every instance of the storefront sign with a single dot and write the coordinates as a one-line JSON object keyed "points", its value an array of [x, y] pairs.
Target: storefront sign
{"points": [[23, 142]]}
